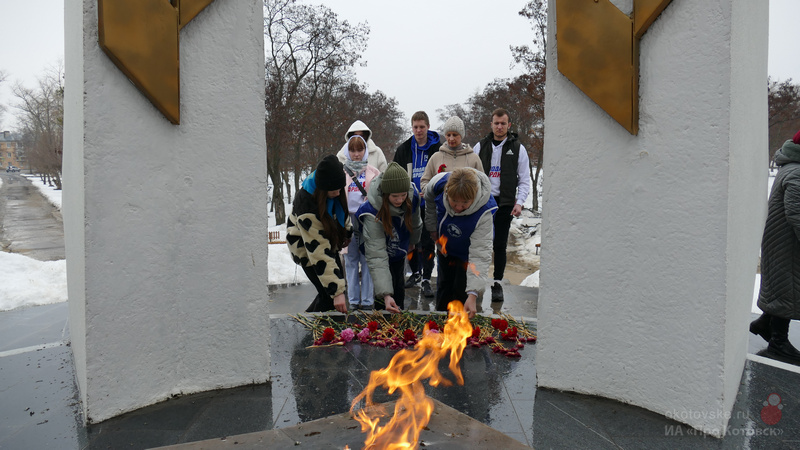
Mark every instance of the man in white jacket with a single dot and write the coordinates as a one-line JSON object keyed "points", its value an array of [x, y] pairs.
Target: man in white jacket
{"points": [[375, 158], [505, 162]]}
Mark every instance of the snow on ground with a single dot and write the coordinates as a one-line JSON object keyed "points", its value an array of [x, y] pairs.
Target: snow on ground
{"points": [[282, 270], [49, 192], [531, 280], [28, 282]]}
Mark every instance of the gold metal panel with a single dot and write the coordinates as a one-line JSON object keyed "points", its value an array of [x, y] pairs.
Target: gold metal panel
{"points": [[598, 50], [141, 37], [190, 8], [645, 12], [595, 51]]}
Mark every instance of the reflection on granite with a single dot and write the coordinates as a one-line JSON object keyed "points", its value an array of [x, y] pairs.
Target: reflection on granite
{"points": [[39, 405]]}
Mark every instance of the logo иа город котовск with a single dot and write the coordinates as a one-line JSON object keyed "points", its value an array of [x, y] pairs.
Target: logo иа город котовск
{"points": [[141, 37]]}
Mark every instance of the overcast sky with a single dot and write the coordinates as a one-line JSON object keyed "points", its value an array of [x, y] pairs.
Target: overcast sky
{"points": [[468, 49]]}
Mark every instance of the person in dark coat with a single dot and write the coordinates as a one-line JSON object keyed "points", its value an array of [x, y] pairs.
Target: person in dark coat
{"points": [[779, 297], [317, 229]]}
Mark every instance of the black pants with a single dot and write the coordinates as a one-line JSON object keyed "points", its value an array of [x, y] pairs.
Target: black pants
{"points": [[452, 283], [502, 223], [397, 269], [323, 301], [422, 258]]}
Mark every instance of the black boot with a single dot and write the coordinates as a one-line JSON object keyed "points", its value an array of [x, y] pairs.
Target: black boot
{"points": [[779, 346], [426, 288], [497, 293], [761, 327]]}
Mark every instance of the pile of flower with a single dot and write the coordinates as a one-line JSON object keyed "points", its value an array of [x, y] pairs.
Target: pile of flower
{"points": [[504, 335]]}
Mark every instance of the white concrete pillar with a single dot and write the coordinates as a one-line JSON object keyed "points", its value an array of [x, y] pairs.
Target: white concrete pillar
{"points": [[650, 242], [166, 225]]}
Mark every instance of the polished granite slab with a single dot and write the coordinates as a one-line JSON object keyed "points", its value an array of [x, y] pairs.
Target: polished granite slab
{"points": [[448, 429], [39, 405]]}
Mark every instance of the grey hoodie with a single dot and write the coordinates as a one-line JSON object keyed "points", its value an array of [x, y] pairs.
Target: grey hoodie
{"points": [[480, 247]]}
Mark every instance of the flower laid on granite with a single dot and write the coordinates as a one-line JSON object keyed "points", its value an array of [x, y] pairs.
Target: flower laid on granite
{"points": [[347, 335], [504, 335], [500, 324], [373, 326], [476, 332], [363, 335], [510, 335], [328, 335]]}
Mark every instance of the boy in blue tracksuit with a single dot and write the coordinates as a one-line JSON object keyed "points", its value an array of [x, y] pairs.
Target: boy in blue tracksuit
{"points": [[415, 152]]}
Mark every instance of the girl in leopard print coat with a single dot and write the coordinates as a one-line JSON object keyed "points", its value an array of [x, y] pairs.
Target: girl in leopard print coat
{"points": [[317, 229]]}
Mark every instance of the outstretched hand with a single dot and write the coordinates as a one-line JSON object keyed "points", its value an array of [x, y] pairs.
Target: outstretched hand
{"points": [[391, 305], [471, 305], [340, 303]]}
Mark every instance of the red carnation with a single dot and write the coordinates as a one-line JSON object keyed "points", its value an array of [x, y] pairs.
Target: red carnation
{"points": [[442, 168], [433, 325], [373, 326], [500, 324], [511, 334], [476, 332], [409, 335], [328, 334]]}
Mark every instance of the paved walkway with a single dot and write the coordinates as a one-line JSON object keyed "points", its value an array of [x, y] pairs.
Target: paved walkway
{"points": [[29, 224]]}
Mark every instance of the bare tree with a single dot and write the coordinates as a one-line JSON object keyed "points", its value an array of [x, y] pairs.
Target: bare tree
{"points": [[309, 52], [3, 108], [784, 112], [41, 118], [522, 96], [532, 57]]}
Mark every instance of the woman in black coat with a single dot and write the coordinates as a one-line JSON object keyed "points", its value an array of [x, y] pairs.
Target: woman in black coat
{"points": [[779, 297]]}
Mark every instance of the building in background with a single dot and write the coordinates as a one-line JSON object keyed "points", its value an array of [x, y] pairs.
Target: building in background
{"points": [[11, 150]]}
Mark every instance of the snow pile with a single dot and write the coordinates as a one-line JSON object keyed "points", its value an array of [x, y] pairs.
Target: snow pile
{"points": [[50, 193], [527, 236], [282, 270], [532, 280], [28, 282]]}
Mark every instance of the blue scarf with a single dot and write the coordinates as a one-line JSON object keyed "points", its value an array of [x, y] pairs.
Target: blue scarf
{"points": [[334, 206]]}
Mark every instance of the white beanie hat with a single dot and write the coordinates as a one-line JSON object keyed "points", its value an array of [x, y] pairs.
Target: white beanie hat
{"points": [[454, 124]]}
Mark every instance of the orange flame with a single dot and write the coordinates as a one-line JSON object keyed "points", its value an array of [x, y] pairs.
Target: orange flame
{"points": [[473, 268], [443, 242], [405, 373]]}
